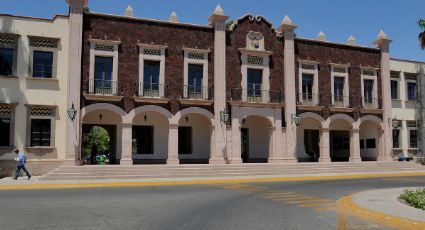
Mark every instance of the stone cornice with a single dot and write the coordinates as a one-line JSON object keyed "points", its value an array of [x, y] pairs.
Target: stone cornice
{"points": [[104, 42], [196, 50], [255, 52], [152, 46]]}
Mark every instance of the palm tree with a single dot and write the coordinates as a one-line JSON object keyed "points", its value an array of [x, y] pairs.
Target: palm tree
{"points": [[421, 37]]}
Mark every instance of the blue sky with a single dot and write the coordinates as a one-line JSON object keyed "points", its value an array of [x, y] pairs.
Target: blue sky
{"points": [[337, 18]]}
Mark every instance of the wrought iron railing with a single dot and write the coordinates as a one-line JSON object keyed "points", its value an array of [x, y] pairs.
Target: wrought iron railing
{"points": [[146, 89], [102, 87], [197, 92], [309, 99], [370, 103], [257, 95], [340, 101]]}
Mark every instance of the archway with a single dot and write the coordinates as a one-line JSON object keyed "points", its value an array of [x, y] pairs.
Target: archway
{"points": [[256, 135], [340, 127], [308, 138], [370, 132], [106, 119]]}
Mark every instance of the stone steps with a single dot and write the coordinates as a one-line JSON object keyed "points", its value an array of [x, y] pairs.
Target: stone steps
{"points": [[208, 171]]}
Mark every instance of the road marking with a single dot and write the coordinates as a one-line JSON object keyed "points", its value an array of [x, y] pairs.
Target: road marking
{"points": [[316, 204], [325, 209], [308, 201]]}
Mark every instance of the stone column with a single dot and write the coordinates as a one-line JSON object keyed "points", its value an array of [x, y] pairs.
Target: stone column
{"points": [[381, 147], [236, 157], [126, 145], [218, 20], [213, 154], [355, 146], [404, 133], [288, 28], [73, 148], [173, 145], [278, 147], [324, 146], [383, 42], [272, 147]]}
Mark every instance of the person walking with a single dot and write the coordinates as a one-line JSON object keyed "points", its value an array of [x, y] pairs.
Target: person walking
{"points": [[22, 159]]}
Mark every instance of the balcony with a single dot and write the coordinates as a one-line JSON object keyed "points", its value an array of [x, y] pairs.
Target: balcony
{"points": [[151, 93], [196, 95], [309, 101], [340, 103], [257, 97], [370, 105], [102, 90]]}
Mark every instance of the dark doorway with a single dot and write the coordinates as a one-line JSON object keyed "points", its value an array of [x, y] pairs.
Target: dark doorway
{"points": [[88, 151], [144, 139], [311, 144], [245, 145], [185, 140], [340, 146]]}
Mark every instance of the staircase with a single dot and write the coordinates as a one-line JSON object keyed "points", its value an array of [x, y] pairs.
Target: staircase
{"points": [[118, 172]]}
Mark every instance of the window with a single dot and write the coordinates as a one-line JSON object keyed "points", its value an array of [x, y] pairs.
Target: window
{"points": [[40, 132], [254, 84], [6, 61], [413, 134], [370, 143], [4, 131], [411, 91], [195, 79], [144, 136], [185, 140], [103, 75], [307, 87], [42, 64], [394, 89], [368, 91], [396, 138], [339, 91], [151, 78]]}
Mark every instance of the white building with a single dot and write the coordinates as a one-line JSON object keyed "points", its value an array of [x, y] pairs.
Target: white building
{"points": [[33, 89], [404, 93]]}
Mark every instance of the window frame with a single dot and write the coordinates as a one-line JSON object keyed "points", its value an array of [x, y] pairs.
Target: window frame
{"points": [[315, 73], [9, 113], [33, 49], [191, 61], [13, 46], [375, 86], [147, 57], [407, 90], [40, 132], [51, 117], [346, 89]]}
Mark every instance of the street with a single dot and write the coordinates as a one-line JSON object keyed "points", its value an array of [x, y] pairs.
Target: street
{"points": [[278, 205]]}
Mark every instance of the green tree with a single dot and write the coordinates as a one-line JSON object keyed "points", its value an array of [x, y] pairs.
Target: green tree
{"points": [[97, 136], [421, 37]]}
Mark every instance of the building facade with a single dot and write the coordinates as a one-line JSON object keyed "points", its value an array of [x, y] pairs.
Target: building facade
{"points": [[175, 93], [406, 80], [33, 89]]}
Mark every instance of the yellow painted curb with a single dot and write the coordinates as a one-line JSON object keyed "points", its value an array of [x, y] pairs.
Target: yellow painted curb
{"points": [[346, 207], [199, 182]]}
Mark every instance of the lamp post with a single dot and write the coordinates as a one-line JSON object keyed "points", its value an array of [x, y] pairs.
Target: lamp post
{"points": [[72, 112]]}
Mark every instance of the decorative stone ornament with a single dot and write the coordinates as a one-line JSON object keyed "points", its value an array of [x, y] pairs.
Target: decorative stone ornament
{"points": [[217, 16], [351, 41], [382, 39], [129, 11], [255, 40], [287, 24], [173, 17], [321, 36]]}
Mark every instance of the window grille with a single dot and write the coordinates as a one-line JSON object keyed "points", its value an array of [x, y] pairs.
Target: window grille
{"points": [[100, 47], [411, 124], [44, 42], [410, 76], [368, 72], [340, 69], [7, 39], [308, 66], [5, 109], [395, 74], [150, 51], [42, 111], [255, 60], [198, 56]]}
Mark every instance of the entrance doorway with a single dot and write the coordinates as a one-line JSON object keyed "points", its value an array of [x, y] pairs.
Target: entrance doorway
{"points": [[311, 144], [245, 144], [185, 140], [143, 136], [99, 144], [340, 145]]}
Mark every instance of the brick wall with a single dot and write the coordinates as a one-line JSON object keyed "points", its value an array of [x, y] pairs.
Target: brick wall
{"points": [[133, 31]]}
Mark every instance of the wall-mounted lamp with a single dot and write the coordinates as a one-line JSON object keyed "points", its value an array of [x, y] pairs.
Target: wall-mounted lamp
{"points": [[243, 121], [145, 117], [395, 123], [187, 119], [296, 119], [224, 116], [72, 112], [100, 117]]}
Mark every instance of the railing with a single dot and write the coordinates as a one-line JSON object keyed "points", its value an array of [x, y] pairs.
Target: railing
{"points": [[370, 103], [309, 99], [257, 95], [151, 90], [197, 92], [102, 87], [340, 101]]}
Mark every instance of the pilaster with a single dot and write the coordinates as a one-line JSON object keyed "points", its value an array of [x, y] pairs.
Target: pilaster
{"points": [[173, 145], [355, 146], [126, 152], [324, 146]]}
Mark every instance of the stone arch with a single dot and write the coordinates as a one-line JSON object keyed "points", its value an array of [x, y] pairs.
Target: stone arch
{"points": [[176, 118], [102, 106], [378, 121], [339, 116], [147, 108], [314, 116]]}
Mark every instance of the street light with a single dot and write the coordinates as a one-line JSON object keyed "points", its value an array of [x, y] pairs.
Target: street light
{"points": [[395, 123], [72, 112], [224, 116], [296, 119]]}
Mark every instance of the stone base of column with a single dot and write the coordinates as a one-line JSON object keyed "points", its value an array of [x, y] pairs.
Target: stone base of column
{"points": [[290, 160], [388, 158], [217, 161], [324, 159], [173, 162], [72, 163], [355, 159], [235, 161], [126, 162], [276, 160]]}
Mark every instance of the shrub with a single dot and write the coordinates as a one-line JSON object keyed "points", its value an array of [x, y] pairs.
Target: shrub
{"points": [[415, 198]]}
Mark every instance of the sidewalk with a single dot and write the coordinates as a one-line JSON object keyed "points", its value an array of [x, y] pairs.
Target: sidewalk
{"points": [[382, 206], [35, 183]]}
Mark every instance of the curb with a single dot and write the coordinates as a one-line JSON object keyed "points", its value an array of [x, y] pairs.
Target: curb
{"points": [[112, 184], [346, 206]]}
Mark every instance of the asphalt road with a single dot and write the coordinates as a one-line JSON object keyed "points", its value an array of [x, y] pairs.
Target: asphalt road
{"points": [[279, 205]]}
